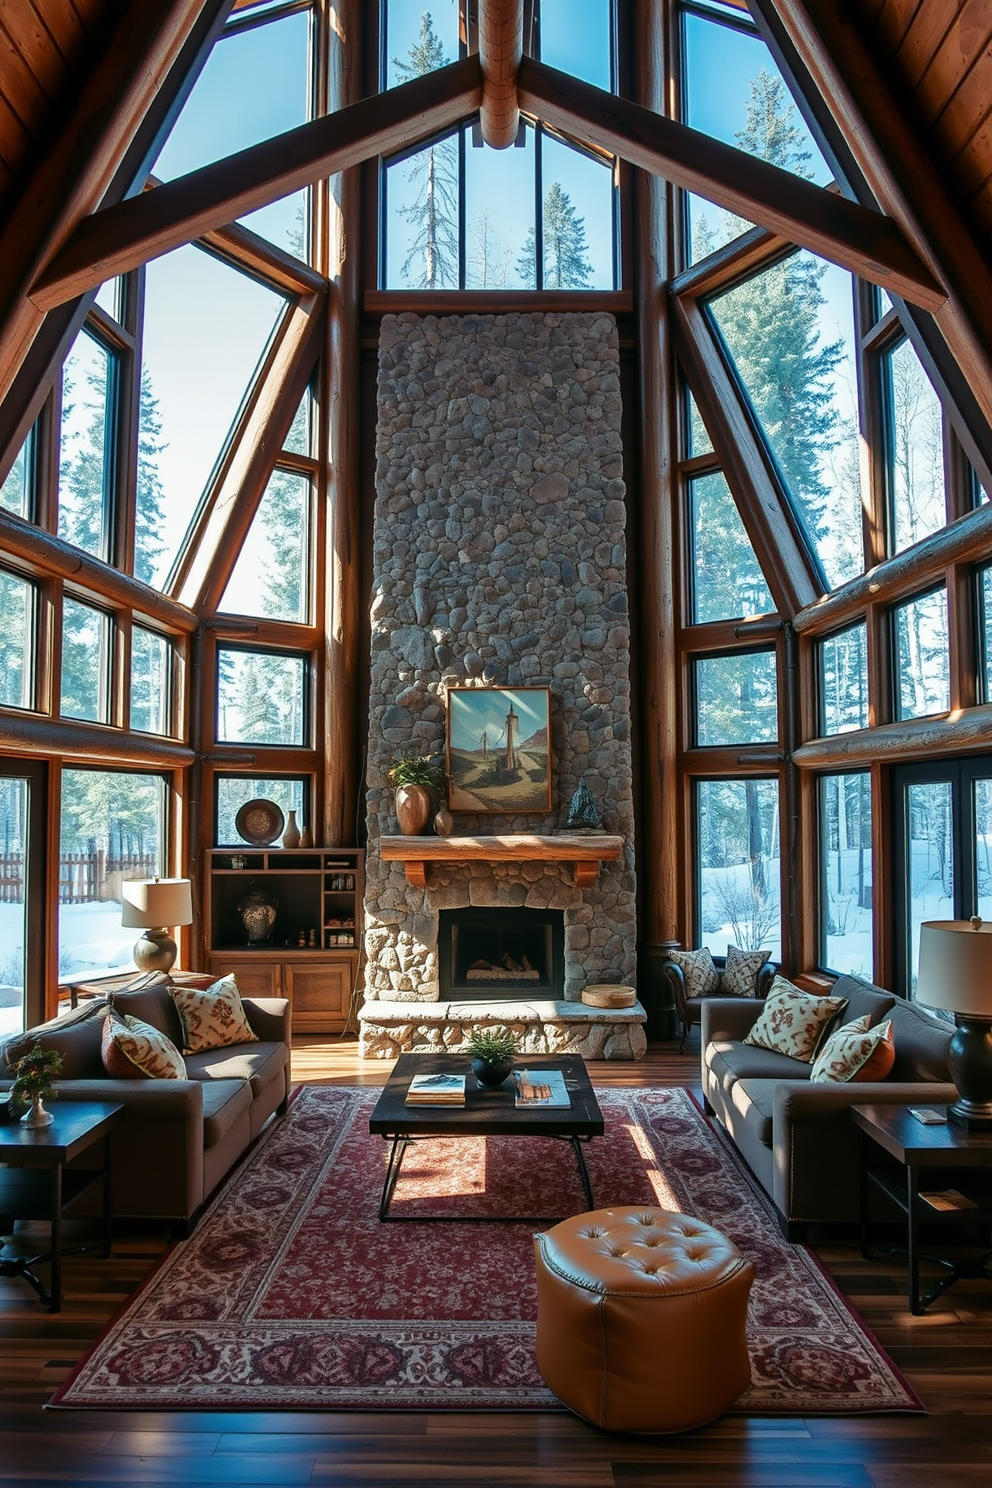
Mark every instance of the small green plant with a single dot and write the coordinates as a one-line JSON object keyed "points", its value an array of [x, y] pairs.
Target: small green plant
{"points": [[35, 1074], [494, 1045], [412, 767]]}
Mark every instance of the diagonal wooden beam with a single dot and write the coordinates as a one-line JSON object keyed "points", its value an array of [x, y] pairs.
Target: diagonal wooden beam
{"points": [[128, 234], [843, 231]]}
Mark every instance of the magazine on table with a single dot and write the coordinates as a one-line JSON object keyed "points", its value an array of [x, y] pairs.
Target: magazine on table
{"points": [[436, 1090], [541, 1088]]}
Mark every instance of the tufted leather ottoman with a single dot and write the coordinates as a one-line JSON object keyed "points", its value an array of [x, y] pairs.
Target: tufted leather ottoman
{"points": [[640, 1318]]}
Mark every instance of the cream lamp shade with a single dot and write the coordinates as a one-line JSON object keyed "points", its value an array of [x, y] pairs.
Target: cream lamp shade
{"points": [[150, 904], [956, 966]]}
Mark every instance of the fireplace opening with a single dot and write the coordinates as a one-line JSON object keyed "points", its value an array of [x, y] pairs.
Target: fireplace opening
{"points": [[504, 954]]}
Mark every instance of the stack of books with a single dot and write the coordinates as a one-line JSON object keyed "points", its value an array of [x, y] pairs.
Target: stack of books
{"points": [[436, 1090]]}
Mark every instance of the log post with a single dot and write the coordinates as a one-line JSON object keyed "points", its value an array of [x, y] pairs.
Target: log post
{"points": [[501, 34]]}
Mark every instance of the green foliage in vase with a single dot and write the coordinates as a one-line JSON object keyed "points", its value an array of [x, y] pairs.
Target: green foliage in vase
{"points": [[412, 767], [35, 1074], [494, 1045]]}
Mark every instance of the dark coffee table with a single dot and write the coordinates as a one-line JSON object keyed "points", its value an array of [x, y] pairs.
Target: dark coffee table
{"points": [[486, 1113]]}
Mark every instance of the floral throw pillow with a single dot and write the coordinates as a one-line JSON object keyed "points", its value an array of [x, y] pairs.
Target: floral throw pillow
{"points": [[855, 1052], [701, 977], [739, 977], [212, 1017], [131, 1048], [792, 1021]]}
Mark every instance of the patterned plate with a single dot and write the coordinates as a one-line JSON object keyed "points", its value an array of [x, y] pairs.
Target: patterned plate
{"points": [[260, 822]]}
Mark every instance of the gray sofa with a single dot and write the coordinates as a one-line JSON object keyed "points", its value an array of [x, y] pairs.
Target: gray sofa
{"points": [[796, 1137], [178, 1138]]}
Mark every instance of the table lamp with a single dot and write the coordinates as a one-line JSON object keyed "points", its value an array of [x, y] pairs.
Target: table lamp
{"points": [[153, 905], [956, 974]]}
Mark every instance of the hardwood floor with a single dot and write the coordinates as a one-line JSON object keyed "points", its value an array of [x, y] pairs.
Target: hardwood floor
{"points": [[946, 1355]]}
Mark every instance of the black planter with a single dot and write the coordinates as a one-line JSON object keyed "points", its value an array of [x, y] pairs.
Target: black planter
{"points": [[491, 1074]]}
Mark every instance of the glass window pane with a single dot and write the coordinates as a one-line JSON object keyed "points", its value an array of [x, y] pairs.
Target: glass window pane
{"points": [[260, 697], [923, 667], [844, 681], [736, 699], [255, 84], [206, 329], [578, 220], [420, 209], [737, 885], [983, 848], [109, 297], [15, 493], [235, 790], [930, 863], [298, 439], [697, 437], [734, 92], [985, 607], [150, 678], [17, 611], [845, 874], [727, 582], [576, 37], [112, 829], [418, 40], [84, 446], [13, 903], [499, 215], [272, 572], [790, 332], [85, 662], [915, 452]]}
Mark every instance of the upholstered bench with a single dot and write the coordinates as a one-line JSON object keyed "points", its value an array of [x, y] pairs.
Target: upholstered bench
{"points": [[640, 1318]]}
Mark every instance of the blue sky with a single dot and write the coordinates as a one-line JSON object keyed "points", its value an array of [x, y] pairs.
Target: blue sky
{"points": [[473, 709]]}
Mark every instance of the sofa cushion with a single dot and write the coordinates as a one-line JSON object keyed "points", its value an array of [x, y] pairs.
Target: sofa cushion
{"points": [[132, 1049], [700, 975], [739, 977], [223, 1102], [729, 1061], [76, 1036], [258, 1063], [793, 1022], [855, 1052], [863, 999], [212, 1017], [755, 1100], [921, 1042], [152, 1004]]}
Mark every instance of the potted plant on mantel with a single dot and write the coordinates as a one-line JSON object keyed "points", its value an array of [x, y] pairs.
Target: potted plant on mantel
{"points": [[415, 776]]}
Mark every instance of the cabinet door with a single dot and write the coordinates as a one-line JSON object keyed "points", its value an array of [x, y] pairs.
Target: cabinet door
{"points": [[320, 993], [255, 978]]}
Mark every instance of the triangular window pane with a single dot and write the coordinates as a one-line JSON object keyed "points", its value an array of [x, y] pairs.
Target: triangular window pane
{"points": [[15, 493], [727, 582], [734, 92], [255, 84], [205, 331], [790, 332], [271, 575], [418, 38], [298, 438]]}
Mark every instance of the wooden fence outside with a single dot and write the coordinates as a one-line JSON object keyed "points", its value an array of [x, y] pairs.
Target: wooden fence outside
{"points": [[84, 878]]}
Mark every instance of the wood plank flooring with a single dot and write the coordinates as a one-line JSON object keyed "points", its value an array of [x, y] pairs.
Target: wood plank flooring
{"points": [[947, 1357]]}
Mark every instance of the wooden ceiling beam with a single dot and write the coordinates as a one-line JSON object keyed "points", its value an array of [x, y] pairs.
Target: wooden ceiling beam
{"points": [[899, 172], [121, 237], [843, 231], [501, 40], [80, 165]]}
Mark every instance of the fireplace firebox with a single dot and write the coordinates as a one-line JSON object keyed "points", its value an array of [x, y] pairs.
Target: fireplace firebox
{"points": [[486, 955]]}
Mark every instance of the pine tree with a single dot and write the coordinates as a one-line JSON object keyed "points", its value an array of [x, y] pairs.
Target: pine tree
{"points": [[432, 260], [148, 542], [566, 264]]}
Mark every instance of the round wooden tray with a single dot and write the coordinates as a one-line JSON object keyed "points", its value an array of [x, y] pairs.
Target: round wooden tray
{"points": [[609, 995]]}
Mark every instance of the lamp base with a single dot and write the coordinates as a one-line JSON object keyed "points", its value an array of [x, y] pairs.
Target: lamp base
{"points": [[155, 951], [969, 1058], [970, 1116]]}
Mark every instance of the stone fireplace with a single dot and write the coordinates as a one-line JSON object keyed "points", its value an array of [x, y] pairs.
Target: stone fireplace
{"points": [[499, 561], [487, 955]]}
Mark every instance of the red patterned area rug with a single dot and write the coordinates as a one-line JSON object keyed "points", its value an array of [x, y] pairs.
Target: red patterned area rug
{"points": [[292, 1294]]}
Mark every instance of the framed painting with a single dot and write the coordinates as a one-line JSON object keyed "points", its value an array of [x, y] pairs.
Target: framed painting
{"points": [[499, 749]]}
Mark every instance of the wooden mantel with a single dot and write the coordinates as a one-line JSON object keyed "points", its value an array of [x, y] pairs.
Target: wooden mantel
{"points": [[585, 850]]}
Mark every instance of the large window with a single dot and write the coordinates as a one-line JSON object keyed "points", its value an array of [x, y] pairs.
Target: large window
{"points": [[843, 678], [846, 874], [736, 699], [86, 640], [261, 697], [923, 668], [290, 793], [727, 581], [738, 847], [112, 829], [17, 615]]}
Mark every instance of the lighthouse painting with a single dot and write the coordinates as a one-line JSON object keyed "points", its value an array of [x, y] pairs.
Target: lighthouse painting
{"points": [[499, 749]]}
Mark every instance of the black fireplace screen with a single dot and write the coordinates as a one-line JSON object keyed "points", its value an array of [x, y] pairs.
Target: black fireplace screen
{"points": [[501, 953]]}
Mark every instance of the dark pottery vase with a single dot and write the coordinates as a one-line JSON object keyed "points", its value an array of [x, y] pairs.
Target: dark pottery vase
{"points": [[491, 1074], [258, 914]]}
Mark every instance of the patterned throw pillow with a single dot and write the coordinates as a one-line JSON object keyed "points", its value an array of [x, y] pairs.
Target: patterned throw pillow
{"points": [[855, 1052], [132, 1048], [740, 976], [213, 1017], [792, 1021], [701, 977]]}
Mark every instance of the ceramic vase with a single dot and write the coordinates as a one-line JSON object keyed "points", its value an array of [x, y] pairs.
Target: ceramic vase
{"points": [[258, 914], [443, 822], [488, 1073], [306, 837], [291, 836], [413, 809], [36, 1115]]}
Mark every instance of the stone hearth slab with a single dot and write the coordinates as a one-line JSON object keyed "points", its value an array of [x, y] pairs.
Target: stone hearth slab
{"points": [[391, 1028]]}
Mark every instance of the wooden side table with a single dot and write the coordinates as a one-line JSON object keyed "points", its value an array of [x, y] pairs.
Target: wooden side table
{"points": [[36, 1185], [952, 1157]]}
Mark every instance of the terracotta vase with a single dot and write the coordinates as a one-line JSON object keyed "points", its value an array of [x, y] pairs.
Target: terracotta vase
{"points": [[291, 836], [306, 837], [413, 809], [444, 822]]}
